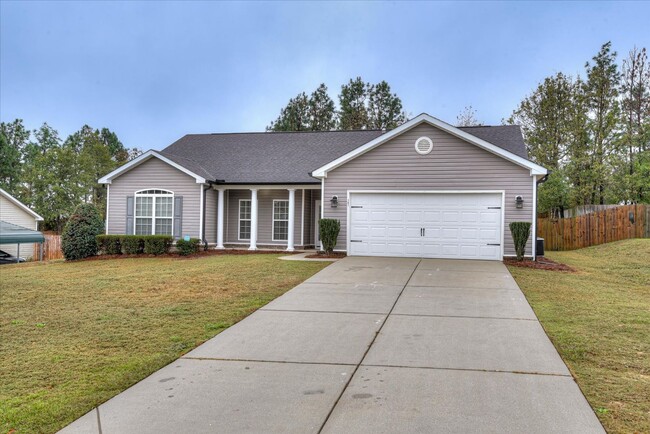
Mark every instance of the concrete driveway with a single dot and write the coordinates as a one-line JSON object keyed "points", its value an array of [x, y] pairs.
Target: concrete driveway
{"points": [[368, 345]]}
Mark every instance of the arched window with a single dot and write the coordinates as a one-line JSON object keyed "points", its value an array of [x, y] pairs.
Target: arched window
{"points": [[154, 212]]}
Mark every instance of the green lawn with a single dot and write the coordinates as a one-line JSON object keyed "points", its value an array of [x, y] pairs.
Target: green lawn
{"points": [[599, 320], [72, 335]]}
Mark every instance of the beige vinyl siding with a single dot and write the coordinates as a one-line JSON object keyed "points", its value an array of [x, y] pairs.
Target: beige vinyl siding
{"points": [[264, 215], [12, 213], [153, 174], [452, 165], [211, 200]]}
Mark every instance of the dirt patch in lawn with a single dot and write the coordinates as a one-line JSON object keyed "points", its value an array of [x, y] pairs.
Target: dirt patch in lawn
{"points": [[322, 255], [542, 263]]}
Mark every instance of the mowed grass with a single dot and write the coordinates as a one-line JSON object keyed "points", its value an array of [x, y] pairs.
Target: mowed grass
{"points": [[599, 320], [72, 335]]}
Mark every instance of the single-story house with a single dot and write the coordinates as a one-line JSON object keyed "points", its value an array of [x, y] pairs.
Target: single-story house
{"points": [[18, 227], [423, 189]]}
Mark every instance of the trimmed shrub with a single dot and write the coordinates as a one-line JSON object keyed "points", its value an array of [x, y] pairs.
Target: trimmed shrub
{"points": [[329, 232], [109, 244], [132, 244], [157, 244], [520, 232], [79, 237], [190, 247]]}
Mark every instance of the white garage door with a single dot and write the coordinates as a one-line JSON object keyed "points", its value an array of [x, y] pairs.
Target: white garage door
{"points": [[426, 225]]}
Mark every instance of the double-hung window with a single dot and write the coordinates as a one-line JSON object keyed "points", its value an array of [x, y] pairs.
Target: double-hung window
{"points": [[154, 212], [280, 220], [244, 219]]}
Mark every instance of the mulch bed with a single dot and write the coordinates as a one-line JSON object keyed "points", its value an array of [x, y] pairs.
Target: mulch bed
{"points": [[542, 263], [321, 255], [200, 254]]}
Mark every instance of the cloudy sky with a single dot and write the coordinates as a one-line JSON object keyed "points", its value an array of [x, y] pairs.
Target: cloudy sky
{"points": [[153, 72]]}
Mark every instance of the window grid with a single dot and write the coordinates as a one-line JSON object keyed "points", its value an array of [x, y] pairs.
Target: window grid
{"points": [[154, 212], [244, 219], [280, 220]]}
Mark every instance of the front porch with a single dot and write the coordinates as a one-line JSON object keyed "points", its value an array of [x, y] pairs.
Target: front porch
{"points": [[262, 216]]}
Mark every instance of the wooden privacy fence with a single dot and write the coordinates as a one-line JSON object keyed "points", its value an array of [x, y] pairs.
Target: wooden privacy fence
{"points": [[613, 224], [51, 247]]}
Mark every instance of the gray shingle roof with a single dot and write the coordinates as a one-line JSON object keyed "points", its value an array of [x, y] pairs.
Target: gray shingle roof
{"points": [[508, 137], [289, 158]]}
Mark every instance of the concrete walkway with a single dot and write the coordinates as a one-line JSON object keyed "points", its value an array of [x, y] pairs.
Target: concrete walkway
{"points": [[379, 345]]}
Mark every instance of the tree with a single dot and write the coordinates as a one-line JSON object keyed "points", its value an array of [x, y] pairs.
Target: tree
{"points": [[384, 108], [294, 116], [353, 100], [115, 147], [545, 117], [635, 120], [13, 139], [35, 169], [601, 92], [79, 237], [552, 195], [95, 160], [322, 114], [467, 118]]}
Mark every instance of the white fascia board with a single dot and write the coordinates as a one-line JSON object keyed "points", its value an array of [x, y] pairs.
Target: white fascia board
{"points": [[21, 205], [141, 159], [535, 169]]}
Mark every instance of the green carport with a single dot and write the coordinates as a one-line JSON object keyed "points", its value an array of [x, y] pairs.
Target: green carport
{"points": [[14, 234]]}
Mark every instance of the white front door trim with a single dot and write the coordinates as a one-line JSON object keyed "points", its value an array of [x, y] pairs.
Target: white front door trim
{"points": [[501, 192]]}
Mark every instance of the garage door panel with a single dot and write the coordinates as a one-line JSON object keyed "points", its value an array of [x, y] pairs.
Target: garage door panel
{"points": [[413, 216], [449, 233], [490, 216], [457, 225], [451, 250], [359, 232], [432, 216]]}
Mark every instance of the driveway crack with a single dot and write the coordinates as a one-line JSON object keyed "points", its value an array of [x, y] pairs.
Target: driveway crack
{"points": [[356, 368]]}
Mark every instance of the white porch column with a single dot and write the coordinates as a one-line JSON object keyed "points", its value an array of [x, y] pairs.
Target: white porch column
{"points": [[253, 245], [292, 214], [220, 218]]}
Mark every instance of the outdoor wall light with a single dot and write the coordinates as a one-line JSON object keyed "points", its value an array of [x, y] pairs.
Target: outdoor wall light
{"points": [[334, 201], [519, 201]]}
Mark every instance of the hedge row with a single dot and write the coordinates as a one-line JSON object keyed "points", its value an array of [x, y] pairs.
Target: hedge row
{"points": [[134, 244]]}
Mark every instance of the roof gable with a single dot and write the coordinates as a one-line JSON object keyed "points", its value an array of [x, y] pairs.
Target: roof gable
{"points": [[20, 205], [200, 178], [461, 133]]}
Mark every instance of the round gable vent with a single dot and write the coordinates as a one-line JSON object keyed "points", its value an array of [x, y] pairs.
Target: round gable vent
{"points": [[423, 145]]}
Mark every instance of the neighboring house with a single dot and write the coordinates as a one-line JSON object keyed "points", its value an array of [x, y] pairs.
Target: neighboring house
{"points": [[424, 189], [18, 214]]}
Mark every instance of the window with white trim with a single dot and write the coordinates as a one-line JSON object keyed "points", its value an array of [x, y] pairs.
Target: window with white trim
{"points": [[244, 219], [154, 212], [280, 220]]}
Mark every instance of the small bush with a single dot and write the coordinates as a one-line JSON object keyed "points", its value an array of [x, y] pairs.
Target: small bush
{"points": [[329, 232], [132, 244], [79, 237], [157, 244], [520, 232], [190, 247], [109, 244]]}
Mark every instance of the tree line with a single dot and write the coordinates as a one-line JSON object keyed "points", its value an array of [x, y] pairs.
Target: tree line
{"points": [[592, 132], [361, 105], [52, 176]]}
